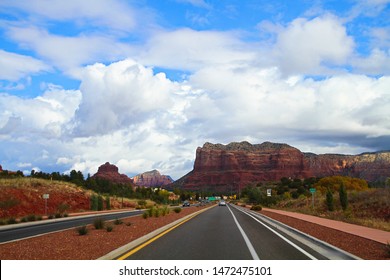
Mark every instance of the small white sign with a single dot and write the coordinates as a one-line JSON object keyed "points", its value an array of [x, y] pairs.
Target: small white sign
{"points": [[269, 192], [45, 196]]}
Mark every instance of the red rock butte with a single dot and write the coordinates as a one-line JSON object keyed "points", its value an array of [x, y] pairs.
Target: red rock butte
{"points": [[111, 173], [220, 167]]}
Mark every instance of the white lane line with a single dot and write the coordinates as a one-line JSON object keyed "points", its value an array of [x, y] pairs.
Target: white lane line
{"points": [[246, 239], [281, 236]]}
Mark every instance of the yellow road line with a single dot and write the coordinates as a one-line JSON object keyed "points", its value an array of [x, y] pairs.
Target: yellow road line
{"points": [[136, 249]]}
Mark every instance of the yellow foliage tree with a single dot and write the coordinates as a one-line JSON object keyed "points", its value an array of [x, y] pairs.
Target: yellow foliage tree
{"points": [[334, 182]]}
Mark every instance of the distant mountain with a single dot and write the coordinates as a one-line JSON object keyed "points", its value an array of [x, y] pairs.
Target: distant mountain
{"points": [[220, 167], [152, 179]]}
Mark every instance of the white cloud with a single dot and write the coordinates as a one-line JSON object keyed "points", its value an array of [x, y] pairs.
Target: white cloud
{"points": [[65, 52], [119, 95], [42, 116], [312, 46], [111, 14], [15, 66], [187, 49]]}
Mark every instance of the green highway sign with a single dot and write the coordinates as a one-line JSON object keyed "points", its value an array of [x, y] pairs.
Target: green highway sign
{"points": [[312, 190]]}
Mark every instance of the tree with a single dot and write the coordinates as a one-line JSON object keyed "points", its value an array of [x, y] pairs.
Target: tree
{"points": [[329, 200], [343, 197]]}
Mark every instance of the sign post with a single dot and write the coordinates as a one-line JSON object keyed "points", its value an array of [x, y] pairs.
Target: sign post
{"points": [[45, 197], [269, 192], [313, 191]]}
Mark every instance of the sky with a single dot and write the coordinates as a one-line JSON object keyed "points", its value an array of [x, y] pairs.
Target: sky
{"points": [[142, 84]]}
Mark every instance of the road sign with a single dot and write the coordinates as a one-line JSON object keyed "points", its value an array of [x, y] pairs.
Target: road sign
{"points": [[269, 192], [45, 196], [312, 190]]}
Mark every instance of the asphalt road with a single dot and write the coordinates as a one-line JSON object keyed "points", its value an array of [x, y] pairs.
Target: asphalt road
{"points": [[21, 231], [223, 233]]}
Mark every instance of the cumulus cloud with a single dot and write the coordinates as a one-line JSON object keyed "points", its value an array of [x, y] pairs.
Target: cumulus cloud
{"points": [[42, 116], [310, 46], [119, 95]]}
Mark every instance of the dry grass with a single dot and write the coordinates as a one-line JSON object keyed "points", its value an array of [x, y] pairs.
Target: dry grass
{"points": [[369, 208]]}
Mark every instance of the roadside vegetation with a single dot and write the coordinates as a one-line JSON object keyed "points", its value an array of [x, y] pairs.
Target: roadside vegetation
{"points": [[337, 197]]}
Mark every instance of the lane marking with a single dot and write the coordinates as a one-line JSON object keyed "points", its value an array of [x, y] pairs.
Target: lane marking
{"points": [[246, 239], [136, 249], [281, 236]]}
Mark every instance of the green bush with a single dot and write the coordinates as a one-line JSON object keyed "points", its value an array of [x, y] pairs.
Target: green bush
{"points": [[23, 220], [128, 224], [109, 228], [82, 230], [177, 209], [145, 215], [329, 200], [58, 215], [51, 216], [118, 222], [256, 208], [31, 218], [11, 221], [343, 197], [98, 223], [2, 222]]}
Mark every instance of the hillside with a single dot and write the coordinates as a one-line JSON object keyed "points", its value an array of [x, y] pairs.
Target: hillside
{"points": [[24, 196]]}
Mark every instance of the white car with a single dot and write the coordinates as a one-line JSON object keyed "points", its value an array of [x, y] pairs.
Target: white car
{"points": [[222, 203]]}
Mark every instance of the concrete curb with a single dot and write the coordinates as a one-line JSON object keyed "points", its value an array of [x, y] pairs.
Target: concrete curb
{"points": [[121, 250]]}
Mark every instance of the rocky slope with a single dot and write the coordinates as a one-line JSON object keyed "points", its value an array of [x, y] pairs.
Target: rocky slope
{"points": [[220, 167], [110, 172], [152, 179]]}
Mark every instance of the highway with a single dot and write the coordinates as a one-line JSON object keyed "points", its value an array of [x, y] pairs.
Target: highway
{"points": [[228, 233], [25, 230]]}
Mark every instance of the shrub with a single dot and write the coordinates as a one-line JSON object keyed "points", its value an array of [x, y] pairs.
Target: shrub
{"points": [[329, 200], [23, 220], [145, 215], [256, 208], [109, 228], [2, 222], [39, 218], [51, 216], [177, 209], [58, 215], [129, 224], [118, 222], [11, 221], [343, 197], [82, 230], [31, 218], [388, 249], [66, 215], [98, 223], [165, 210]]}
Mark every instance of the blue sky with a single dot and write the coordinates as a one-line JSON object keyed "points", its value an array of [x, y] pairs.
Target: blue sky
{"points": [[142, 84]]}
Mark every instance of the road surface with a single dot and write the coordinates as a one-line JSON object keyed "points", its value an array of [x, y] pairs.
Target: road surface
{"points": [[20, 231], [223, 233]]}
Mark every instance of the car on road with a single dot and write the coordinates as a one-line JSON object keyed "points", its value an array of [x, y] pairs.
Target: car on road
{"points": [[222, 203], [186, 204]]}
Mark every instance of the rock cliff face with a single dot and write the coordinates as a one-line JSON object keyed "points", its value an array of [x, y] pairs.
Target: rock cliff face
{"points": [[110, 172], [229, 167], [152, 179]]}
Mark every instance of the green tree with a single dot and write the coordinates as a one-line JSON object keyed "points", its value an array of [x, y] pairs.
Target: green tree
{"points": [[100, 203], [94, 202], [108, 203], [329, 200], [343, 197]]}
